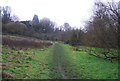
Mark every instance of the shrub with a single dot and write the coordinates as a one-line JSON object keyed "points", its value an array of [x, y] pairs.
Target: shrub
{"points": [[15, 28]]}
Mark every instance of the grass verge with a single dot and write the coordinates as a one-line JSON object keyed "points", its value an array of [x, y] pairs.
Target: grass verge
{"points": [[86, 66]]}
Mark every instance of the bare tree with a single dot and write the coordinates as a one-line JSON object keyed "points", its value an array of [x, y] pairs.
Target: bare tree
{"points": [[103, 29], [6, 16], [15, 18]]}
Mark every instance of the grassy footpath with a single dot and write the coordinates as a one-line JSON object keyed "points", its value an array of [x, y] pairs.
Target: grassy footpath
{"points": [[42, 63], [90, 67], [62, 62]]}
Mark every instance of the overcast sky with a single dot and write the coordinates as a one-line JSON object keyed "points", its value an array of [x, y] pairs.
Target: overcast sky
{"points": [[75, 12]]}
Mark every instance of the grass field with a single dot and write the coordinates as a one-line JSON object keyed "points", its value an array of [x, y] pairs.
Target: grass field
{"points": [[30, 63], [27, 63]]}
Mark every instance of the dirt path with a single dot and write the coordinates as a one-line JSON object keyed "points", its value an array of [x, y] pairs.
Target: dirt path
{"points": [[59, 60]]}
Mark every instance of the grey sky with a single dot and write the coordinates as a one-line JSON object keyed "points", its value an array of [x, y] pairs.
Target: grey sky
{"points": [[75, 12]]}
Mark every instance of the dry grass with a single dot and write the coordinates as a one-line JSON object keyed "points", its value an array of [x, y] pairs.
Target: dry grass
{"points": [[14, 41]]}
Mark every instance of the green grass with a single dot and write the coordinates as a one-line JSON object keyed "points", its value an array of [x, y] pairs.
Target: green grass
{"points": [[28, 64], [99, 51], [90, 67], [40, 63], [0, 62]]}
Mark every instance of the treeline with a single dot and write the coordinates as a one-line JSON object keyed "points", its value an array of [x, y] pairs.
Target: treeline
{"points": [[101, 31], [42, 29], [31, 28]]}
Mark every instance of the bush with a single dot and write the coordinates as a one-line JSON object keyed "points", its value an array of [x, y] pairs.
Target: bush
{"points": [[15, 28]]}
